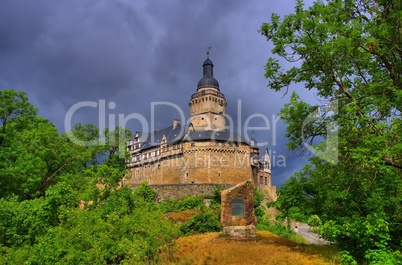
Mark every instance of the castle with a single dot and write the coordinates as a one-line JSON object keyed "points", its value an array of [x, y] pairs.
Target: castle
{"points": [[192, 158]]}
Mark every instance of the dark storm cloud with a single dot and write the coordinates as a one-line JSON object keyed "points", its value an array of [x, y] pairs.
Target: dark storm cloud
{"points": [[75, 49], [138, 52]]}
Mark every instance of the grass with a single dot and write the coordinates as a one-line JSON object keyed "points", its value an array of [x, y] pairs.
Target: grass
{"points": [[266, 248], [181, 217]]}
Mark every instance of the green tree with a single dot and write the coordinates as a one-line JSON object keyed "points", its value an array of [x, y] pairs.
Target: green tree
{"points": [[293, 201], [43, 177], [34, 156], [14, 109], [349, 53]]}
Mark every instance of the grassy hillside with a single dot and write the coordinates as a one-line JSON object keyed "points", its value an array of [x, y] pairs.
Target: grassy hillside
{"points": [[266, 248]]}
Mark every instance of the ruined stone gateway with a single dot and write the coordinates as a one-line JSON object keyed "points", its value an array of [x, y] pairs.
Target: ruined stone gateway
{"points": [[237, 211]]}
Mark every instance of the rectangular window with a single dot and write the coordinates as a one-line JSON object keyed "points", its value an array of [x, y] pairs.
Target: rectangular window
{"points": [[266, 181], [192, 144], [261, 180]]}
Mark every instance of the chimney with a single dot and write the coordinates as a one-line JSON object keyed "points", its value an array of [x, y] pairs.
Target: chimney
{"points": [[176, 122]]}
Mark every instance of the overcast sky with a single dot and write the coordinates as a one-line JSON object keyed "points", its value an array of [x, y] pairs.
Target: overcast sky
{"points": [[133, 53]]}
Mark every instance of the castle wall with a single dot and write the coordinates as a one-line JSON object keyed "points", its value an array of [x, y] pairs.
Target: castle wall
{"points": [[197, 162], [212, 163]]}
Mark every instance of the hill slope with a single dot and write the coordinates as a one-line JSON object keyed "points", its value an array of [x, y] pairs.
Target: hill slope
{"points": [[267, 248]]}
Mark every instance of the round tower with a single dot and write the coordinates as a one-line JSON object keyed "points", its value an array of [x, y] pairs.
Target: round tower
{"points": [[208, 104]]}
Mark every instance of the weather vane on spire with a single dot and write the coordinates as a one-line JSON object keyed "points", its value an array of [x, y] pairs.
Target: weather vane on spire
{"points": [[208, 48]]}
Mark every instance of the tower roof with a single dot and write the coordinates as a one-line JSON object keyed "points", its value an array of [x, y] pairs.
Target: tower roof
{"points": [[253, 142], [208, 79]]}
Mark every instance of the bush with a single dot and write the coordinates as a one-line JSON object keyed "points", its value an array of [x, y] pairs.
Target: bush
{"points": [[146, 192], [203, 222], [124, 228], [187, 203], [280, 230], [259, 210]]}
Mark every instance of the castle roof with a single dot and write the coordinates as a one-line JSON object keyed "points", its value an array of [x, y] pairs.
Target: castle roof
{"points": [[208, 79], [223, 136], [177, 133], [171, 135]]}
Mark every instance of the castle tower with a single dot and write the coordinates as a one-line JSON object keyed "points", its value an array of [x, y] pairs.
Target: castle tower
{"points": [[267, 162], [208, 104]]}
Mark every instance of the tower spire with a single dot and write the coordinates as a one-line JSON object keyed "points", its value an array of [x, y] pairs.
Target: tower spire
{"points": [[208, 49], [208, 80]]}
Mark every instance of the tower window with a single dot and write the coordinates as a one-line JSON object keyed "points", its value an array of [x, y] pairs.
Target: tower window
{"points": [[219, 174], [266, 181], [192, 144]]}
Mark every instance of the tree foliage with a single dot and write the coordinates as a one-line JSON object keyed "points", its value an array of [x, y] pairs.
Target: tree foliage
{"points": [[61, 202], [349, 54]]}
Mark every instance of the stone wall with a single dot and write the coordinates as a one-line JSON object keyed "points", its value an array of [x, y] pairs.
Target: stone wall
{"points": [[199, 163], [178, 191]]}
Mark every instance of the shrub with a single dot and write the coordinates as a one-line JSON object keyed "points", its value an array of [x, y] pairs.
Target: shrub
{"points": [[259, 210], [146, 192], [187, 203], [202, 222]]}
